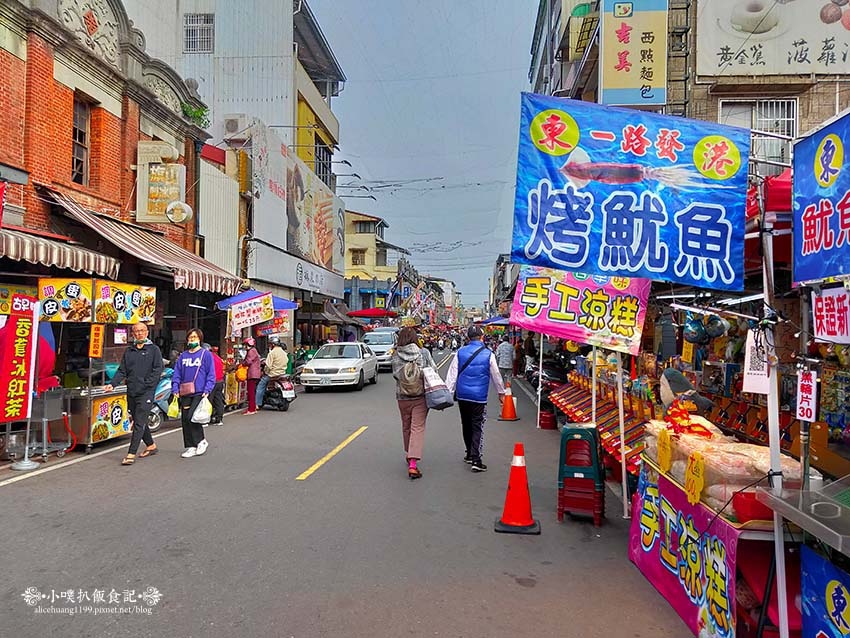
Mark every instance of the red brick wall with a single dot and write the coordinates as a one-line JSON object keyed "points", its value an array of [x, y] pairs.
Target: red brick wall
{"points": [[39, 138]]}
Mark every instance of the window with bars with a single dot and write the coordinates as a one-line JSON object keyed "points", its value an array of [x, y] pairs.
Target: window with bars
{"points": [[322, 161], [82, 142], [358, 257], [198, 32], [364, 228], [381, 257], [769, 116]]}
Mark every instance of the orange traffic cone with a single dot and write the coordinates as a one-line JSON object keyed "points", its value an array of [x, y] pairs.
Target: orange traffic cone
{"points": [[508, 406], [516, 517]]}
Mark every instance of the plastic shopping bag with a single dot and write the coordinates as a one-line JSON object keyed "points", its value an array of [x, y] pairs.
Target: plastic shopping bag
{"points": [[203, 413], [437, 395], [174, 408]]}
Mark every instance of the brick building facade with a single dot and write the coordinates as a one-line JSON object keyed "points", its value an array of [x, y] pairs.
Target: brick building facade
{"points": [[79, 94]]}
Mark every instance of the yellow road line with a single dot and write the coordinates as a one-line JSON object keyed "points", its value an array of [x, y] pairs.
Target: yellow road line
{"points": [[327, 457]]}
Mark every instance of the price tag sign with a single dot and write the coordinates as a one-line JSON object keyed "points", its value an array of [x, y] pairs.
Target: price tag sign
{"points": [[665, 451], [694, 477], [807, 394], [688, 352]]}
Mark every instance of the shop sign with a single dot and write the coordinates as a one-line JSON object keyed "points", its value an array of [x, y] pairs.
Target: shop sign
{"points": [[380, 302], [756, 371], [289, 196], [825, 591], [116, 302], [110, 418], [17, 363], [251, 312], [831, 310], [821, 196], [633, 53], [8, 292], [687, 553], [694, 477], [623, 192], [688, 352], [96, 334], [280, 325], [771, 38], [160, 180], [271, 264], [807, 396], [665, 450], [599, 311], [66, 300]]}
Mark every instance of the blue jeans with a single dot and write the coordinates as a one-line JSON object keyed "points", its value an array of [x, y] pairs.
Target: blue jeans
{"points": [[261, 390]]}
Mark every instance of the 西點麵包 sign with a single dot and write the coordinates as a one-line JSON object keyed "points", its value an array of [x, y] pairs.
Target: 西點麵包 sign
{"points": [[826, 596], [772, 37], [251, 312], [17, 359], [822, 203], [594, 310], [633, 53], [831, 312], [116, 302], [686, 552], [65, 299], [618, 192]]}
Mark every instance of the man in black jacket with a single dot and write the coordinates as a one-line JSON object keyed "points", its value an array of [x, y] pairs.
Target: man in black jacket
{"points": [[141, 367]]}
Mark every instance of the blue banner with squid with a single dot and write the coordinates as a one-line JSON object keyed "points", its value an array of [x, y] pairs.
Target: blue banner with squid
{"points": [[620, 192]]}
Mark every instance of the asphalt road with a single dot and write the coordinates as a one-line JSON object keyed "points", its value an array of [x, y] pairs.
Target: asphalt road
{"points": [[238, 547]]}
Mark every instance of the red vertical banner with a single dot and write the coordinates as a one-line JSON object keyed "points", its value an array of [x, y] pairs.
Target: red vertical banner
{"points": [[96, 334], [17, 359]]}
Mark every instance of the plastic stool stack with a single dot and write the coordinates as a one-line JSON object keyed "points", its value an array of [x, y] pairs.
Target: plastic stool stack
{"points": [[581, 485]]}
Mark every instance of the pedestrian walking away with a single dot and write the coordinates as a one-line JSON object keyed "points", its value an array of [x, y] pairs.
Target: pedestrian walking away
{"points": [[192, 381], [408, 361], [217, 395], [530, 352], [276, 363], [470, 375], [140, 369], [505, 358], [255, 372]]}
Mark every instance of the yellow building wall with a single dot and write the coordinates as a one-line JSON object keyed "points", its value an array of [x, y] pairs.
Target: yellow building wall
{"points": [[354, 240], [313, 118]]}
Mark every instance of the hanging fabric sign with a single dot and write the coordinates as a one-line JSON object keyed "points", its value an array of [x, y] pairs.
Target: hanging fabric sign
{"points": [[623, 192], [598, 311], [831, 310]]}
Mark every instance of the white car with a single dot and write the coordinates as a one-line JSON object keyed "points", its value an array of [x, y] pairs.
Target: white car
{"points": [[334, 364], [382, 343]]}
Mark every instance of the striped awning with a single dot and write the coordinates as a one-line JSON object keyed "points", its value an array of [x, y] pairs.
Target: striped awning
{"points": [[22, 246], [190, 271]]}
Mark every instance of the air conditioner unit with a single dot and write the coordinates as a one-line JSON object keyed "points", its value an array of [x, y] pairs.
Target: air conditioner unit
{"points": [[237, 127]]}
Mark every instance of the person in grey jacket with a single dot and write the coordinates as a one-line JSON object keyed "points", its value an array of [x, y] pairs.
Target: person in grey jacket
{"points": [[505, 359], [410, 394]]}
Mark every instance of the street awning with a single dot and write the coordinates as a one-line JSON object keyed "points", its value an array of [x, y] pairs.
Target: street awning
{"points": [[189, 270], [22, 246], [278, 303]]}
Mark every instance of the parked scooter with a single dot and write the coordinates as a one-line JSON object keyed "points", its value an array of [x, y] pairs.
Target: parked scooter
{"points": [[161, 399], [280, 392]]}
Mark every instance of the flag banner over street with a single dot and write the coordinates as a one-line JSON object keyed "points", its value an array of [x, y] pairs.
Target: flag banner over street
{"points": [[822, 204], [594, 310], [611, 191]]}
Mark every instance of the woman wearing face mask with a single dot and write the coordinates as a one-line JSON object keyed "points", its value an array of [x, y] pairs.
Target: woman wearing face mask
{"points": [[193, 379]]}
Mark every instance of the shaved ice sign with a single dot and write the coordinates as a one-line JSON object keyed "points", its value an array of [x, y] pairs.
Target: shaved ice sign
{"points": [[625, 193]]}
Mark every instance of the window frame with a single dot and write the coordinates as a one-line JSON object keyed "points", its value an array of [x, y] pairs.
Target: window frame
{"points": [[202, 32], [359, 225], [81, 141], [358, 256], [381, 252], [792, 105], [322, 160]]}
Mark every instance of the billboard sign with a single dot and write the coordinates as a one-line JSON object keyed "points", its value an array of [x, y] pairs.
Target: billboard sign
{"points": [[294, 210], [763, 37], [620, 192], [633, 53], [821, 203]]}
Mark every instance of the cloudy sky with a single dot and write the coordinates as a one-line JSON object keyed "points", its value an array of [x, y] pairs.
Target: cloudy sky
{"points": [[432, 101]]}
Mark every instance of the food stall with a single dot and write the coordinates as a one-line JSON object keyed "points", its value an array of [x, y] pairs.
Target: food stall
{"points": [[92, 319]]}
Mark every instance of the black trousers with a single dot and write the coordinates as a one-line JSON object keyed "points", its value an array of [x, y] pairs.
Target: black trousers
{"points": [[140, 409], [217, 400], [472, 418], [193, 433]]}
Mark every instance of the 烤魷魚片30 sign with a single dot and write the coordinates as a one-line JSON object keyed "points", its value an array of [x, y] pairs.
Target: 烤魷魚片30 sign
{"points": [[617, 192]]}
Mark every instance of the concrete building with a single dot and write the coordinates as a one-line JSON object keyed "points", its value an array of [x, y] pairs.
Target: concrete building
{"points": [[711, 70], [502, 285], [268, 74]]}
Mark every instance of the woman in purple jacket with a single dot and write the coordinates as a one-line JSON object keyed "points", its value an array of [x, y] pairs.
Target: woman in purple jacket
{"points": [[195, 372]]}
